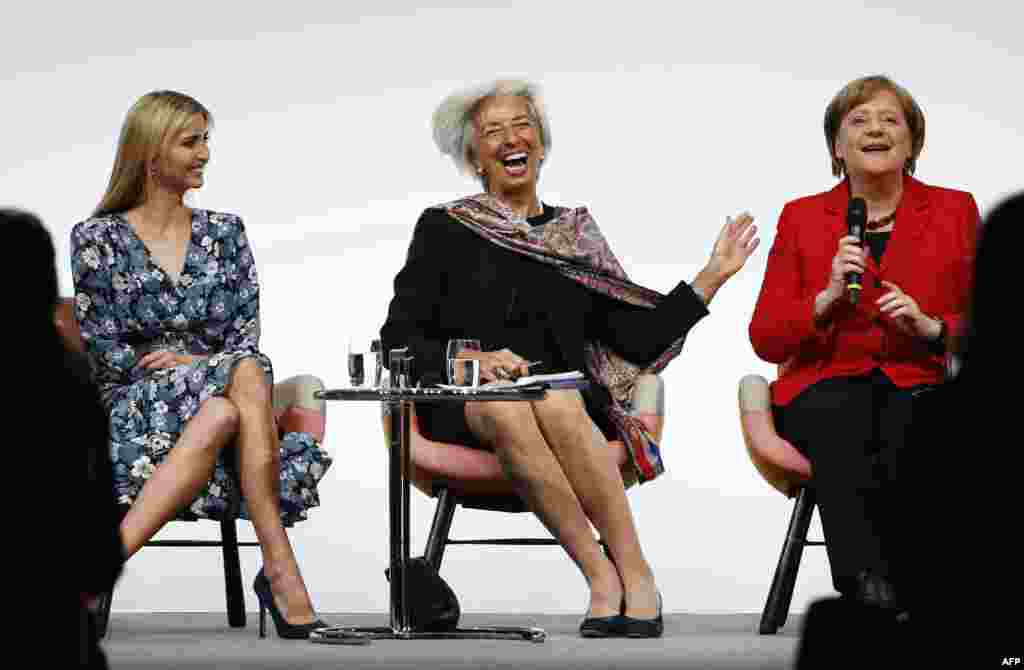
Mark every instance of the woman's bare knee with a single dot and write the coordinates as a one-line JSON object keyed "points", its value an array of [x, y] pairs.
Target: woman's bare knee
{"points": [[493, 421], [249, 383], [220, 417], [563, 417]]}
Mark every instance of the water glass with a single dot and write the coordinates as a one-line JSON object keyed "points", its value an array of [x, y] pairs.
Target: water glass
{"points": [[464, 372], [401, 368], [457, 373], [377, 359], [357, 368]]}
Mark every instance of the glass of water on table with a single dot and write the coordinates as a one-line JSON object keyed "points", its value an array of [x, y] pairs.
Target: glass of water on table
{"points": [[459, 370], [358, 363]]}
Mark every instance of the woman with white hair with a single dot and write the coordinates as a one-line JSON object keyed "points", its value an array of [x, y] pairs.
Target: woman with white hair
{"points": [[536, 282], [168, 304]]}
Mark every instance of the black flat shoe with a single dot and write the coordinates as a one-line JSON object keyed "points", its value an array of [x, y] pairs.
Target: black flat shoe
{"points": [[644, 627], [285, 630], [604, 626]]}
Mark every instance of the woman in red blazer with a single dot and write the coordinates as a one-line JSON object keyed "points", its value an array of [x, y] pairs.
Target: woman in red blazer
{"points": [[848, 370]]}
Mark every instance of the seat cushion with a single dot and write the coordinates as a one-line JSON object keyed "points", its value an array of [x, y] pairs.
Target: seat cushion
{"points": [[776, 459]]}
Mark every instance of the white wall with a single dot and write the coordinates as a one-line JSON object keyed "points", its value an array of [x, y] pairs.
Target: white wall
{"points": [[667, 117]]}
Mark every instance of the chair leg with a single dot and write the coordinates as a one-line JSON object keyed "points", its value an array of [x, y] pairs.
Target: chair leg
{"points": [[103, 614], [776, 609], [440, 527], [232, 573]]}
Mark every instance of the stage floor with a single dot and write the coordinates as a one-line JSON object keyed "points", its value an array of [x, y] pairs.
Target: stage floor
{"points": [[204, 640]]}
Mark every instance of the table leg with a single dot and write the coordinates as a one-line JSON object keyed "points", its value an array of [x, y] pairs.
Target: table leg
{"points": [[398, 512], [399, 459]]}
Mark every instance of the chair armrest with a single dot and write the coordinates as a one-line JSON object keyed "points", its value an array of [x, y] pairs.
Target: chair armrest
{"points": [[648, 404], [296, 408]]}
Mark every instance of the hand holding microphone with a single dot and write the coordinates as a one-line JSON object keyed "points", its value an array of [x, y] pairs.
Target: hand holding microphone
{"points": [[856, 220], [847, 264]]}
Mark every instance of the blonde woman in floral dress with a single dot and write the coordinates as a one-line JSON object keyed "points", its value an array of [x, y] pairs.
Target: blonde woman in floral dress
{"points": [[168, 303]]}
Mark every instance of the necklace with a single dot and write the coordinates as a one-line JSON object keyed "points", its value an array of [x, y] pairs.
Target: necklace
{"points": [[882, 222]]}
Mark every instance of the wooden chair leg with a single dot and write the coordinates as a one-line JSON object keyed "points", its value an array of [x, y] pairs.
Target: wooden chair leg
{"points": [[232, 573], [776, 609], [440, 527]]}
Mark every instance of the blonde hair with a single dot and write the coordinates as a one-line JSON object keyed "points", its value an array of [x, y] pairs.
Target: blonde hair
{"points": [[454, 121], [149, 123], [859, 91]]}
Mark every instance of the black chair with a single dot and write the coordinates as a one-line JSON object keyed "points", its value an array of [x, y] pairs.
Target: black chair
{"points": [[780, 595], [788, 471], [448, 499]]}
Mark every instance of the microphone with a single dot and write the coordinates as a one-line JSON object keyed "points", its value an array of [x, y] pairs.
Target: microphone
{"points": [[856, 220]]}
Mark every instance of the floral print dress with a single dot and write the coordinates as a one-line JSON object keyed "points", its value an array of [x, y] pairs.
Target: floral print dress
{"points": [[127, 306]]}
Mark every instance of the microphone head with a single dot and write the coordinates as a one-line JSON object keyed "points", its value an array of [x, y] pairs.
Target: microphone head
{"points": [[857, 216], [857, 207]]}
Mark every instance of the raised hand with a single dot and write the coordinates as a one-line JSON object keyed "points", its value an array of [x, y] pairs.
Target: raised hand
{"points": [[735, 244]]}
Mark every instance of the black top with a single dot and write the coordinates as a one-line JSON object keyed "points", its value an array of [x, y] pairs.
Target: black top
{"points": [[876, 243], [456, 284]]}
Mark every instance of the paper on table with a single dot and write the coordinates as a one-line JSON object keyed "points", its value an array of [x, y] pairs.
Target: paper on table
{"points": [[568, 379], [553, 378]]}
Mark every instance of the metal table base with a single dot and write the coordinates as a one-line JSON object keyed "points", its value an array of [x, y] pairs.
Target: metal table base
{"points": [[347, 634], [399, 403]]}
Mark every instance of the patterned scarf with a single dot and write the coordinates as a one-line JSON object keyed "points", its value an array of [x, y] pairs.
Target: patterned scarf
{"points": [[573, 244]]}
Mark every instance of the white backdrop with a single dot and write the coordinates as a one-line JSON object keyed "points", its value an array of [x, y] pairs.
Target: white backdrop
{"points": [[666, 118]]}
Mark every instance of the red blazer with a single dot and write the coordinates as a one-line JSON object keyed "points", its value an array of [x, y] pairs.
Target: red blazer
{"points": [[930, 256]]}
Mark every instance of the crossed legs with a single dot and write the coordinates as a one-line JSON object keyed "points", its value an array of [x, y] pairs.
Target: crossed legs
{"points": [[563, 468], [245, 414]]}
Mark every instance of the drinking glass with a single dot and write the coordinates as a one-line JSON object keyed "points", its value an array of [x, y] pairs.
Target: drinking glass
{"points": [[356, 368], [357, 360], [377, 358], [401, 368], [461, 371], [464, 372]]}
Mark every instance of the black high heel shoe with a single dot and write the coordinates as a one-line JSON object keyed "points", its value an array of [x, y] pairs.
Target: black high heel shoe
{"points": [[604, 626], [285, 630], [644, 627]]}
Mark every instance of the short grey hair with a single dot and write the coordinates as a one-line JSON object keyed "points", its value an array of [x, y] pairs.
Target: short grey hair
{"points": [[454, 119]]}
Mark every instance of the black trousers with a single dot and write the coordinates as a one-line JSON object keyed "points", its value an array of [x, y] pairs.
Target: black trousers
{"points": [[857, 433]]}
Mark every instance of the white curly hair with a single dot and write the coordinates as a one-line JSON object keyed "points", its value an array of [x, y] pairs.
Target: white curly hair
{"points": [[454, 121]]}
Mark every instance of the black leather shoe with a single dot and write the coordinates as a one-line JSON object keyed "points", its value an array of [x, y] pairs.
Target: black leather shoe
{"points": [[285, 630], [645, 627], [603, 626], [876, 591]]}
